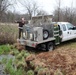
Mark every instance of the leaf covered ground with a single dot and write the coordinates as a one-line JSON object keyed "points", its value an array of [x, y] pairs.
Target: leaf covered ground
{"points": [[62, 59]]}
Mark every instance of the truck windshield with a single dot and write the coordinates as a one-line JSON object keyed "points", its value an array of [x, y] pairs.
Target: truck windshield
{"points": [[69, 26]]}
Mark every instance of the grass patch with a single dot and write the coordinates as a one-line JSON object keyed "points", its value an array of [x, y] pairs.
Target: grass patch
{"points": [[8, 49], [4, 49]]}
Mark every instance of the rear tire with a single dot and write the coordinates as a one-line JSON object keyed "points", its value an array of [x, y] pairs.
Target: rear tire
{"points": [[50, 46], [41, 47]]}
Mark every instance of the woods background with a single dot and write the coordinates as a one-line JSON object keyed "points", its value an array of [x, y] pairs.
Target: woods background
{"points": [[33, 9]]}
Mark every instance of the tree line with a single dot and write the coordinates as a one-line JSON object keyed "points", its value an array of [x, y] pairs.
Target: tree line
{"points": [[33, 9], [67, 14]]}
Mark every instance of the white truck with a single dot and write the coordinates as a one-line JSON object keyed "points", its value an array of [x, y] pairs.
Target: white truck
{"points": [[45, 37]]}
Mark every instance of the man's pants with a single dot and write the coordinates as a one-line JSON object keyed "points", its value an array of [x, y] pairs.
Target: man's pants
{"points": [[20, 32]]}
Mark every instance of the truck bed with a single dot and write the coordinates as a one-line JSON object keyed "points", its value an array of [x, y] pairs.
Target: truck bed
{"points": [[33, 43]]}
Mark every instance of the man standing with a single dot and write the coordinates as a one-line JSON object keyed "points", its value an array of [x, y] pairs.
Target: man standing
{"points": [[21, 23]]}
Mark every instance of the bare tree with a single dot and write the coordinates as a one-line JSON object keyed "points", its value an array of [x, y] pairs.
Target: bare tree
{"points": [[57, 11], [71, 12], [65, 14], [41, 12], [30, 6], [4, 4]]}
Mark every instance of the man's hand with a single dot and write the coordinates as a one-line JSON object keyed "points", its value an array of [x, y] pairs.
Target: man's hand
{"points": [[20, 27]]}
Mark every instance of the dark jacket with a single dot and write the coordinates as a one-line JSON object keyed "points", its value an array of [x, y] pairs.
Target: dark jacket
{"points": [[20, 23]]}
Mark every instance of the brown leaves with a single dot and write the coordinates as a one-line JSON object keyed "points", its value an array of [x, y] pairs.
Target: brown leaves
{"points": [[63, 59]]}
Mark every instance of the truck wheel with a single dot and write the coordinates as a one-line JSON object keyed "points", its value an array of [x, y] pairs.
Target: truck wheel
{"points": [[50, 46], [45, 34], [43, 46]]}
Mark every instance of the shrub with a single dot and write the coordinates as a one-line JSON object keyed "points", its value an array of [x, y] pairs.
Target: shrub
{"points": [[20, 72], [8, 34], [58, 72], [30, 72], [14, 52], [19, 56], [21, 64], [4, 60]]}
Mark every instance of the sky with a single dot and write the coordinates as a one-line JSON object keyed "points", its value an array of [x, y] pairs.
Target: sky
{"points": [[50, 5], [47, 5]]}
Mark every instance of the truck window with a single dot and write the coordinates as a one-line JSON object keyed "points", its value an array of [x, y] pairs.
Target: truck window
{"points": [[64, 27]]}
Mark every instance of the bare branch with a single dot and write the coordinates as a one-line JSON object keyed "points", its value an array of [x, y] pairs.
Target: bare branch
{"points": [[30, 6], [4, 4]]}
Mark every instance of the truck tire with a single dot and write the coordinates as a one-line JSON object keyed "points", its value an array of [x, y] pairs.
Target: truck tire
{"points": [[45, 34], [43, 46], [49, 46]]}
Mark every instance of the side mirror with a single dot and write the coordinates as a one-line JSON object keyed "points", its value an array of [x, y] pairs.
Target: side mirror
{"points": [[74, 28]]}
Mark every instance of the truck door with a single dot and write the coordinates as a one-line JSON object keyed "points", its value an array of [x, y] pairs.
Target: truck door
{"points": [[71, 31], [74, 31], [64, 32]]}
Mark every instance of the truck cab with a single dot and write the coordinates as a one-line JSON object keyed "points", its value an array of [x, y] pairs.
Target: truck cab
{"points": [[68, 31]]}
